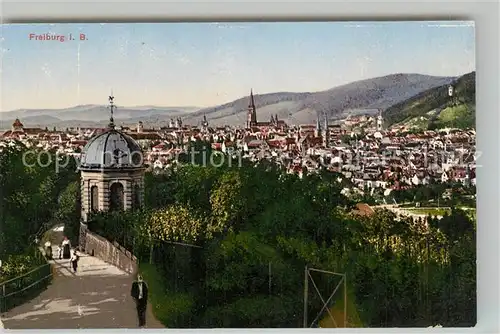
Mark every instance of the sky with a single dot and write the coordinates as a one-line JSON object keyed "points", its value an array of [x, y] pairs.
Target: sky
{"points": [[206, 64]]}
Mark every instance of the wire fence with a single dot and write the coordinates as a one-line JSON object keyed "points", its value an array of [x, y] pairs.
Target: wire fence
{"points": [[18, 290]]}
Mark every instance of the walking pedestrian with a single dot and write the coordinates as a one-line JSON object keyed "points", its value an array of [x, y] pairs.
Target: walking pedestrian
{"points": [[74, 260], [66, 248], [139, 292], [48, 250], [59, 251]]}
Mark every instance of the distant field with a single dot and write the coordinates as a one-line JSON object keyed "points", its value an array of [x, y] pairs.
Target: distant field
{"points": [[428, 211], [433, 211]]}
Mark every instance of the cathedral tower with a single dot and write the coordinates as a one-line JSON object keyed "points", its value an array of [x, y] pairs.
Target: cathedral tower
{"points": [[326, 133], [252, 112], [317, 131]]}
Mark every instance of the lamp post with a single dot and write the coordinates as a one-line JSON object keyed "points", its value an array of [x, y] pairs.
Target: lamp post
{"points": [[2, 296]]}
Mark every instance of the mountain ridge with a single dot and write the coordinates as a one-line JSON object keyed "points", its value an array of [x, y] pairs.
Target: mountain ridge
{"points": [[293, 107]]}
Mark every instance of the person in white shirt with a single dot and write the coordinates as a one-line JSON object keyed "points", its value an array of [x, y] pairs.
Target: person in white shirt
{"points": [[139, 292], [48, 249], [74, 260], [59, 251]]}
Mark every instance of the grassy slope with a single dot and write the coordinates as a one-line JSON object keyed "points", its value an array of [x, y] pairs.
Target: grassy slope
{"points": [[420, 110], [337, 311], [168, 306], [460, 116], [455, 116]]}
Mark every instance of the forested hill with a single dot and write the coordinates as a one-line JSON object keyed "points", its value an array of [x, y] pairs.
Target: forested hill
{"points": [[434, 108]]}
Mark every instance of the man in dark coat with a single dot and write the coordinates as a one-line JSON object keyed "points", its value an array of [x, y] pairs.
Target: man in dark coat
{"points": [[139, 292]]}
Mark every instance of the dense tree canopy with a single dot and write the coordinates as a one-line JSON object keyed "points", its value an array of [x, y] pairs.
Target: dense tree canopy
{"points": [[34, 193], [235, 240], [257, 229]]}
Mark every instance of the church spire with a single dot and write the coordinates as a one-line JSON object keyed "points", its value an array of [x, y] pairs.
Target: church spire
{"points": [[112, 109], [251, 105], [204, 123], [318, 126], [252, 114], [326, 132]]}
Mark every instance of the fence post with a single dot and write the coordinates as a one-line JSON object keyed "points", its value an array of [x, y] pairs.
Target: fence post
{"points": [[270, 278], [4, 302], [345, 300], [306, 293], [151, 251]]}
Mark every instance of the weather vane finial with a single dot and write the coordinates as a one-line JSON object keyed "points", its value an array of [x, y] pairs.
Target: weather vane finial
{"points": [[112, 108]]}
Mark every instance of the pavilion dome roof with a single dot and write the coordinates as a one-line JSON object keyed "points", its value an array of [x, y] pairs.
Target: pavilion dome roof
{"points": [[111, 150]]}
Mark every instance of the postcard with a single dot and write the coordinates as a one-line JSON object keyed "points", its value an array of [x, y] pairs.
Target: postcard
{"points": [[238, 175]]}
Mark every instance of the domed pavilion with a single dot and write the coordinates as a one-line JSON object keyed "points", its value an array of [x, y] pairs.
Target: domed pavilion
{"points": [[112, 171]]}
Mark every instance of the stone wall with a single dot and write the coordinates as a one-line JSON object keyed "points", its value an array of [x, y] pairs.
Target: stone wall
{"points": [[111, 253]]}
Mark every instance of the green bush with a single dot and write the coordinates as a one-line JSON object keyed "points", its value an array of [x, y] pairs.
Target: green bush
{"points": [[17, 265], [23, 277], [253, 312], [251, 273], [172, 309]]}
